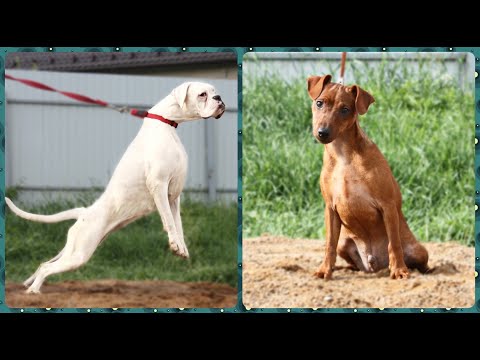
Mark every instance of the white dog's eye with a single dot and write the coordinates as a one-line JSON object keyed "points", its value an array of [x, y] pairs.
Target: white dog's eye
{"points": [[203, 94]]}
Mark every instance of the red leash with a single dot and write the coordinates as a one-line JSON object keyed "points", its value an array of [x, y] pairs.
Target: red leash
{"points": [[342, 67], [86, 99]]}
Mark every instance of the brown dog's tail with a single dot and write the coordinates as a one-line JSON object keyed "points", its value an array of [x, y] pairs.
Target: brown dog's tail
{"points": [[61, 216]]}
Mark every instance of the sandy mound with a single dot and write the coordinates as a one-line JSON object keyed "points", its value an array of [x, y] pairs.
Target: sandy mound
{"points": [[278, 272]]}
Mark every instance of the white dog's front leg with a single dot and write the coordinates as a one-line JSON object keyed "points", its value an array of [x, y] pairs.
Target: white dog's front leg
{"points": [[175, 207], [159, 192]]}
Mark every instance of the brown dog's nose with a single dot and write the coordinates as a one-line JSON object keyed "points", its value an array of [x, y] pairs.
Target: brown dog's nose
{"points": [[323, 133], [217, 97]]}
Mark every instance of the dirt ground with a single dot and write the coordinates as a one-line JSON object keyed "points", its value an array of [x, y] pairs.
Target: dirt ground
{"points": [[123, 294], [278, 272]]}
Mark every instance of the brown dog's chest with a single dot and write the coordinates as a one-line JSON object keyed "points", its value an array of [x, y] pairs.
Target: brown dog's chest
{"points": [[346, 189]]}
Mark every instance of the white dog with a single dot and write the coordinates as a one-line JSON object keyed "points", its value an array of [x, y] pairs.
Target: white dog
{"points": [[151, 174]]}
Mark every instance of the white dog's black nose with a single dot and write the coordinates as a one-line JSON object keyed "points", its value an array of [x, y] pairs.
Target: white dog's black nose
{"points": [[217, 97]]}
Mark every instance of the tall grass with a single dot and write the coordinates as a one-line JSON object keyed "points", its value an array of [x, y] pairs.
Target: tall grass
{"points": [[138, 252], [423, 124]]}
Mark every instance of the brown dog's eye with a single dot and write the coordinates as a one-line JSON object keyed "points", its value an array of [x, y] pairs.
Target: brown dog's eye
{"points": [[319, 103], [344, 110], [203, 94]]}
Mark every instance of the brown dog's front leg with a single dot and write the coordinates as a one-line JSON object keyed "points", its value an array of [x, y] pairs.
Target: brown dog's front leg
{"points": [[398, 269], [333, 224]]}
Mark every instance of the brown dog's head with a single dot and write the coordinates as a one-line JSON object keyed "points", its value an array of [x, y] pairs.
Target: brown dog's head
{"points": [[335, 107]]}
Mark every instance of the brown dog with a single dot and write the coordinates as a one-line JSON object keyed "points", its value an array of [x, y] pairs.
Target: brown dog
{"points": [[363, 213]]}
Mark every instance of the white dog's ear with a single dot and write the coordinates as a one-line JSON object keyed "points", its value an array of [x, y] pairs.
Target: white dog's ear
{"points": [[180, 93]]}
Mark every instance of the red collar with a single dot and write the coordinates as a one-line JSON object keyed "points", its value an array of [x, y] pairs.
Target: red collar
{"points": [[162, 119]]}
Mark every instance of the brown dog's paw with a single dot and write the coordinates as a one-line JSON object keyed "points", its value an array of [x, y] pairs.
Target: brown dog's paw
{"points": [[399, 273], [323, 273]]}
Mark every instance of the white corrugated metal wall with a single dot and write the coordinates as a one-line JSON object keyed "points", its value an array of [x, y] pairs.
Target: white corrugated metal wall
{"points": [[56, 145]]}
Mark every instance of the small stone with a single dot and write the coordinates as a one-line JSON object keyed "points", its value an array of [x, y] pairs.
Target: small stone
{"points": [[328, 298]]}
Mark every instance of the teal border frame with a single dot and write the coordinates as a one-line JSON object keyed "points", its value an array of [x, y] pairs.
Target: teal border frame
{"points": [[240, 51]]}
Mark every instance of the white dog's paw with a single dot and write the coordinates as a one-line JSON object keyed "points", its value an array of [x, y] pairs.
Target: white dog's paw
{"points": [[185, 253], [32, 290], [179, 249]]}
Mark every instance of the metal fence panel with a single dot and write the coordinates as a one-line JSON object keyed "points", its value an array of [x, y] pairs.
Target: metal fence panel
{"points": [[55, 143]]}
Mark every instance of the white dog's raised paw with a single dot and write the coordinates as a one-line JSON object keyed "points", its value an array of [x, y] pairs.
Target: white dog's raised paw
{"points": [[184, 254], [184, 251], [179, 250]]}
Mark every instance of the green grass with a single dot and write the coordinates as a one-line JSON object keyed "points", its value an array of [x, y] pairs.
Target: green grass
{"points": [[423, 124], [138, 252]]}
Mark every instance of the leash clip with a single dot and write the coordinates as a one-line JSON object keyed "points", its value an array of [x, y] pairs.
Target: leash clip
{"points": [[120, 109], [123, 109]]}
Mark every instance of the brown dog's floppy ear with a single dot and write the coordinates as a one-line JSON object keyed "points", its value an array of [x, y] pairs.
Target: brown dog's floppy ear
{"points": [[316, 85], [362, 99]]}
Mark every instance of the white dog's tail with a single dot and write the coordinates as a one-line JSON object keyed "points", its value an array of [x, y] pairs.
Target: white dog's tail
{"points": [[61, 216]]}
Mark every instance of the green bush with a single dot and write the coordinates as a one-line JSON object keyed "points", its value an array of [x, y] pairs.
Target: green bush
{"points": [[138, 252]]}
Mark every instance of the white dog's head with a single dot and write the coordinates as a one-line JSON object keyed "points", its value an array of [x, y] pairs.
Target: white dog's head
{"points": [[198, 100]]}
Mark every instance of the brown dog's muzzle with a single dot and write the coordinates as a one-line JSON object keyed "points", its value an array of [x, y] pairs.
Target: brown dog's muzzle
{"points": [[323, 135]]}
